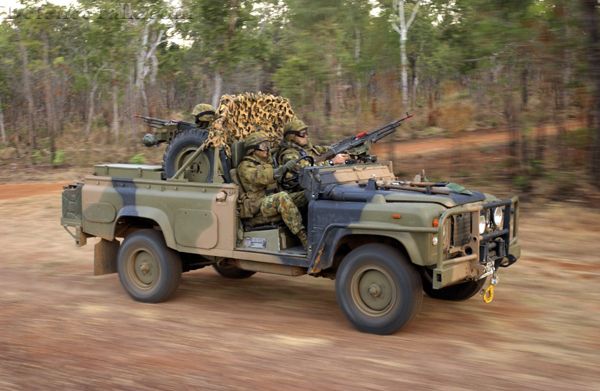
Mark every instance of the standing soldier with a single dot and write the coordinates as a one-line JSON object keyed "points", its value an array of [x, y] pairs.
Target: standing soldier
{"points": [[258, 179], [295, 145], [204, 114]]}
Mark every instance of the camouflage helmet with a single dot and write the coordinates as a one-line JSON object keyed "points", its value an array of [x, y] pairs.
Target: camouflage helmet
{"points": [[204, 112], [254, 140], [294, 126]]}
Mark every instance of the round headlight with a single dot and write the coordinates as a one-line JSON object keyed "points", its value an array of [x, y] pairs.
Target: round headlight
{"points": [[482, 224], [498, 217]]}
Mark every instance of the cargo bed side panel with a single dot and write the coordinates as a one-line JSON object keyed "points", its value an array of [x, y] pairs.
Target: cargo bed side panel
{"points": [[204, 214]]}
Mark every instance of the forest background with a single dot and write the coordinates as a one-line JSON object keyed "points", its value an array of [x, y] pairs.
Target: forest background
{"points": [[73, 77]]}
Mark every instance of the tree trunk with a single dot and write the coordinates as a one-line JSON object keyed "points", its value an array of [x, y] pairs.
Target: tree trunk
{"points": [[2, 130], [524, 88], [218, 89], [28, 94], [593, 51], [327, 103], [146, 54], [357, 84], [414, 81], [558, 116], [131, 99], [513, 145], [402, 26], [404, 69], [540, 131], [115, 108], [91, 103], [49, 97]]}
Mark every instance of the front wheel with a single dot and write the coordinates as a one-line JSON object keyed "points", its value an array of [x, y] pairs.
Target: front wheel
{"points": [[459, 292], [149, 271], [378, 289]]}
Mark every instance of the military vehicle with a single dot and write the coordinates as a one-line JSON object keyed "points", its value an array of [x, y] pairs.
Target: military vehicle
{"points": [[385, 241]]}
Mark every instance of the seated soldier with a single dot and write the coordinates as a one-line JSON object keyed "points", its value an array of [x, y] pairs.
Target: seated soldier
{"points": [[295, 145], [204, 114], [258, 178]]}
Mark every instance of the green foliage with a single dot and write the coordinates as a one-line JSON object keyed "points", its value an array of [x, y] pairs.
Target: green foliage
{"points": [[59, 158], [337, 60], [522, 183], [578, 138], [37, 156], [138, 159]]}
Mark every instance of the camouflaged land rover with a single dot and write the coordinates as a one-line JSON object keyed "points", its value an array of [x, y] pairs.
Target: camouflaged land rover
{"points": [[383, 240]]}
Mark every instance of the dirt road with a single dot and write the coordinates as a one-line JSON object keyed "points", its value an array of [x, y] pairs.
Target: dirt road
{"points": [[63, 328], [465, 140]]}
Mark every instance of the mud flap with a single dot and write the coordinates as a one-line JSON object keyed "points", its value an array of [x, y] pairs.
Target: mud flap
{"points": [[105, 257]]}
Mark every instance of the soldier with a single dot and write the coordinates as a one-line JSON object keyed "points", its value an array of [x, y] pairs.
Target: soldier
{"points": [[204, 114], [296, 144], [258, 179]]}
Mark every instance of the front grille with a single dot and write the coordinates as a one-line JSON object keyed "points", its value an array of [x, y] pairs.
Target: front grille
{"points": [[461, 229]]}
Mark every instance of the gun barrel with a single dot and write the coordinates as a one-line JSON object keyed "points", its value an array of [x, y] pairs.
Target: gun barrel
{"points": [[156, 123]]}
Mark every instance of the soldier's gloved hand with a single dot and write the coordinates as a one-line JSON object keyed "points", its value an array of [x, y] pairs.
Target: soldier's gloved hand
{"points": [[280, 171], [290, 165]]}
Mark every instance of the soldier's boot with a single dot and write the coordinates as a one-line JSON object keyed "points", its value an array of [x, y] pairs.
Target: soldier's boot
{"points": [[303, 238]]}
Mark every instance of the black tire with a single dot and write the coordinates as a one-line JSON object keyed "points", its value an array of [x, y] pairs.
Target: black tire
{"points": [[378, 289], [149, 271], [459, 292], [183, 145], [229, 270]]}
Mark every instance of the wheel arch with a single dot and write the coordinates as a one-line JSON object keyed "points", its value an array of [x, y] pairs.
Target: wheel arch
{"points": [[132, 218], [341, 241]]}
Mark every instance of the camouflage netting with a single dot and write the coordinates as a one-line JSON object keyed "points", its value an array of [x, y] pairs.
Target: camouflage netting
{"points": [[240, 115]]}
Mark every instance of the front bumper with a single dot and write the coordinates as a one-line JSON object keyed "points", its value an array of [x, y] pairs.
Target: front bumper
{"points": [[477, 256]]}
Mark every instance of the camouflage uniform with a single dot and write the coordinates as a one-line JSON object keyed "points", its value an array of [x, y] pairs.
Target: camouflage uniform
{"points": [[257, 180], [289, 150]]}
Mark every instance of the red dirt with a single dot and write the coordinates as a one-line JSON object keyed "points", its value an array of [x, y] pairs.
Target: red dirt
{"points": [[63, 328], [479, 138], [19, 190]]}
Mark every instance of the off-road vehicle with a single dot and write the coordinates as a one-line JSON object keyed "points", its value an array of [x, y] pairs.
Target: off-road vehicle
{"points": [[385, 241]]}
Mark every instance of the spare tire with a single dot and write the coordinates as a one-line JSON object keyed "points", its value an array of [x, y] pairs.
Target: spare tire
{"points": [[183, 145]]}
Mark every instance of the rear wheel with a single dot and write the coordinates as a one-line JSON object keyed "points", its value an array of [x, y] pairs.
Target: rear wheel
{"points": [[149, 271], [227, 269], [378, 289]]}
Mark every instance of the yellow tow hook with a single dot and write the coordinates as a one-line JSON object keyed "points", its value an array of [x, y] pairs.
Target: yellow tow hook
{"points": [[488, 294]]}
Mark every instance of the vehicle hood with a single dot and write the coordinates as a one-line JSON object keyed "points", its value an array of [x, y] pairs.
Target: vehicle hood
{"points": [[352, 192]]}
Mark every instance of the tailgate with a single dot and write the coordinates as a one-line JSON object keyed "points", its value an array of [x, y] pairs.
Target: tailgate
{"points": [[72, 214]]}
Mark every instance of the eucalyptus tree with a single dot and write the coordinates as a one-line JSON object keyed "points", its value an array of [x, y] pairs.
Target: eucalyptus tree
{"points": [[219, 32], [402, 23], [591, 21]]}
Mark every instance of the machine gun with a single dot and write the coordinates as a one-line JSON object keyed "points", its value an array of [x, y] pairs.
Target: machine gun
{"points": [[167, 129], [359, 145]]}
